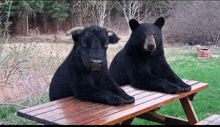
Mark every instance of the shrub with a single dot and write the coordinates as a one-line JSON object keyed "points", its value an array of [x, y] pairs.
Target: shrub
{"points": [[195, 20]]}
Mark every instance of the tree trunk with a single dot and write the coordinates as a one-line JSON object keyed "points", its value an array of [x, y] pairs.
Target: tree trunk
{"points": [[81, 13], [45, 22], [6, 27], [109, 21], [35, 21], [126, 17], [57, 24], [71, 12], [27, 24], [102, 14], [138, 11]]}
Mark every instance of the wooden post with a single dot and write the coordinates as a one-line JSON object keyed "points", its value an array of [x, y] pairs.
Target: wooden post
{"points": [[127, 122], [189, 110]]}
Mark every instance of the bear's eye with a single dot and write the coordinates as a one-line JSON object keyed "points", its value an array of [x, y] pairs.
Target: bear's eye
{"points": [[155, 37], [144, 35], [84, 44]]}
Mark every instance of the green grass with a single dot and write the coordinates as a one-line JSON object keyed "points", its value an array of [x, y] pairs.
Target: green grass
{"points": [[8, 114]]}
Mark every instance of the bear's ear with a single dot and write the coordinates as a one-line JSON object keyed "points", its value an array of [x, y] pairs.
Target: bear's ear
{"points": [[113, 38], [133, 24], [160, 22]]}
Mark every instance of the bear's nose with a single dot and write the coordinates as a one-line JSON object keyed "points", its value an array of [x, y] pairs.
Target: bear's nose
{"points": [[96, 64], [97, 61], [150, 46]]}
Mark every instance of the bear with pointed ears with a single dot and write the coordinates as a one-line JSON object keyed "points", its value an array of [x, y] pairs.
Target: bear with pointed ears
{"points": [[84, 73], [142, 63]]}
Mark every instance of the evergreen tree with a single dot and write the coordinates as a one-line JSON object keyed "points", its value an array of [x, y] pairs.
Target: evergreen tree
{"points": [[59, 10], [25, 8]]}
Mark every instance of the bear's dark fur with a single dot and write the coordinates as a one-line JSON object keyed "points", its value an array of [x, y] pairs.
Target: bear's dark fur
{"points": [[141, 62], [84, 73]]}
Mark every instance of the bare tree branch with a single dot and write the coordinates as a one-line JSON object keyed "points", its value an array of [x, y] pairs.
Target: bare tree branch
{"points": [[10, 72], [130, 9]]}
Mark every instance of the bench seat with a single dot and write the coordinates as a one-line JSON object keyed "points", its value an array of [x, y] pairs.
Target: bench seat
{"points": [[211, 120]]}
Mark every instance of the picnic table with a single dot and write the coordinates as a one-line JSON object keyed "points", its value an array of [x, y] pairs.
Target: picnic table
{"points": [[71, 111]]}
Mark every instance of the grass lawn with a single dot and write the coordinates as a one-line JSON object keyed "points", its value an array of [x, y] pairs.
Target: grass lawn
{"points": [[183, 60]]}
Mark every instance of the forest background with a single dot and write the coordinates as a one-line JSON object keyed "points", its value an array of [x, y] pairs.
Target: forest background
{"points": [[185, 20]]}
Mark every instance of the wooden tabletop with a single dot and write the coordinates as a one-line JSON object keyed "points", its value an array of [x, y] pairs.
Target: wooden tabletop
{"points": [[71, 111]]}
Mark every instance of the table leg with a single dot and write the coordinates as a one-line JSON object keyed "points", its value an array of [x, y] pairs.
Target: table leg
{"points": [[192, 96], [127, 122], [189, 110]]}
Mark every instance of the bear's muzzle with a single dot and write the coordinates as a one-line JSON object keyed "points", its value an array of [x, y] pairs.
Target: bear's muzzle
{"points": [[96, 65]]}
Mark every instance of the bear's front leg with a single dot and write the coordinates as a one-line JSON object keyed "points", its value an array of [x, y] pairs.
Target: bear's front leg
{"points": [[86, 90], [105, 97], [115, 89], [121, 93], [108, 84], [148, 82], [170, 75]]}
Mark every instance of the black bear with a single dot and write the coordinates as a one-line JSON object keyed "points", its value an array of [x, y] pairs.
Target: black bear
{"points": [[84, 73], [142, 63]]}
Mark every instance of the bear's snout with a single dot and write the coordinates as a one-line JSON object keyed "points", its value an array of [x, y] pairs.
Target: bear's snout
{"points": [[150, 44], [96, 64], [150, 47]]}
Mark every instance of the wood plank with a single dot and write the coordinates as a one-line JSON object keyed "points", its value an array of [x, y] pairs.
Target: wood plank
{"points": [[72, 109], [39, 112], [192, 82], [203, 123], [195, 88], [81, 120], [151, 116], [212, 117], [30, 115], [137, 110], [129, 89], [215, 122], [163, 119], [108, 112], [210, 120], [22, 111], [108, 107], [135, 92], [133, 111], [60, 110], [63, 115], [69, 112], [189, 110], [185, 80], [125, 87], [133, 89]]}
